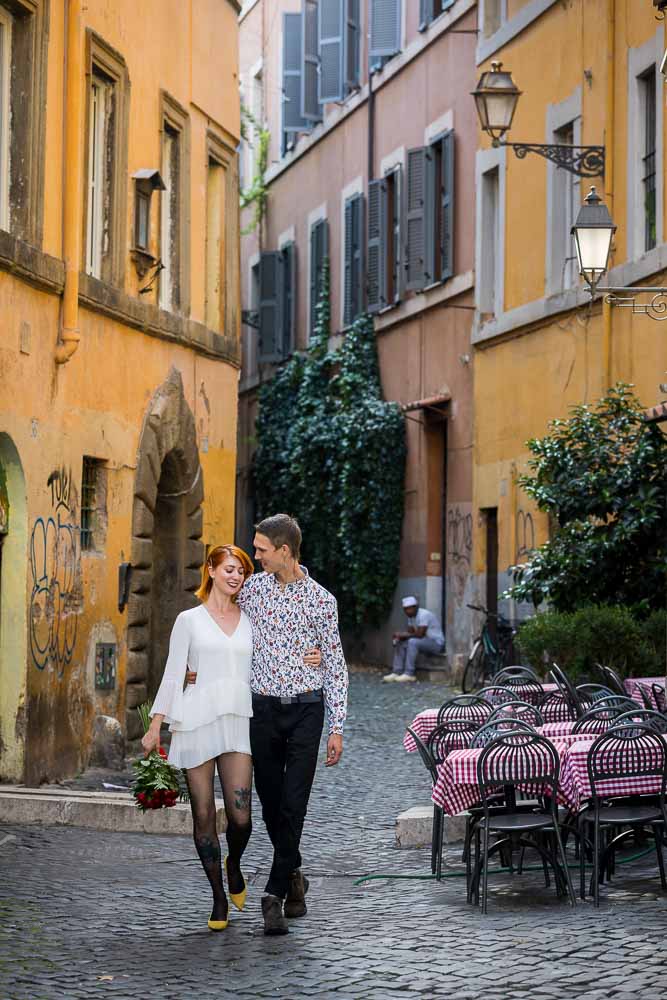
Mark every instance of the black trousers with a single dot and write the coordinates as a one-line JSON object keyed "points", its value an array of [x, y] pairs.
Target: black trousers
{"points": [[285, 741]]}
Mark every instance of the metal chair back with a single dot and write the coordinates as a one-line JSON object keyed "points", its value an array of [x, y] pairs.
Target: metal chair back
{"points": [[498, 727], [567, 688], [496, 694], [618, 701], [597, 719], [556, 707], [644, 717], [633, 751], [518, 759], [465, 706], [659, 695], [453, 734], [590, 693], [611, 678], [425, 754], [522, 710]]}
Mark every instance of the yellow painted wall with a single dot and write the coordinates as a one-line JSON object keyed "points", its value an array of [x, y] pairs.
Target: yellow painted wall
{"points": [[95, 404], [533, 374]]}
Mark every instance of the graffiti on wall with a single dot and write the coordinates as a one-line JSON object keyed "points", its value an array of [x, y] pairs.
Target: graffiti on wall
{"points": [[459, 549], [525, 535], [54, 565]]}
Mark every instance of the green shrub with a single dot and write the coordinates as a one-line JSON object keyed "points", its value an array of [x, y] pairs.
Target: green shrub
{"points": [[612, 635]]}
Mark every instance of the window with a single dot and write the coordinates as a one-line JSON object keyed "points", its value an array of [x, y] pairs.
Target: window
{"points": [[493, 14], [648, 99], [293, 120], [174, 230], [5, 113], [338, 49], [215, 213], [257, 120], [384, 241], [565, 199], [311, 109], [277, 300], [430, 9], [23, 76], [490, 277], [93, 504], [353, 286], [385, 29], [106, 166], [319, 252], [430, 213]]}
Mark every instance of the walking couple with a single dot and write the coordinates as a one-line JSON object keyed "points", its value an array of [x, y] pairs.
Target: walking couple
{"points": [[249, 674]]}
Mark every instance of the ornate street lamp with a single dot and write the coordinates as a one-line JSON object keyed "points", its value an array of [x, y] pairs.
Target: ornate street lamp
{"points": [[593, 232], [496, 98], [662, 7]]}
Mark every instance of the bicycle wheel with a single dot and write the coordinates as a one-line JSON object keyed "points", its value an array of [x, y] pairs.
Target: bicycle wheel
{"points": [[475, 669]]}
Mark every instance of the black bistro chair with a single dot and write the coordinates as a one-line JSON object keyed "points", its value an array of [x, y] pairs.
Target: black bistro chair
{"points": [[523, 681], [611, 678], [454, 734], [432, 768], [496, 694], [624, 752], [644, 716], [597, 719], [659, 696], [465, 706], [557, 707], [590, 693], [522, 710], [509, 761], [567, 689]]}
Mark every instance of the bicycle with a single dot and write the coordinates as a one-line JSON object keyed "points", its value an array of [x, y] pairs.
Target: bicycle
{"points": [[487, 656]]}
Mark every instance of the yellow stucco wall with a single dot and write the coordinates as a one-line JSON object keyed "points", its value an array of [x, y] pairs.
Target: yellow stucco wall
{"points": [[96, 403], [533, 373]]}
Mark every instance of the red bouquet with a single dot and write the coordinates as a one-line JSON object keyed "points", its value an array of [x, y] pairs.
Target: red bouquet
{"points": [[157, 784]]}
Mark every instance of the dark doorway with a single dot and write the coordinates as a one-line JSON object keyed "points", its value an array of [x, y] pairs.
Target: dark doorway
{"points": [[491, 524], [168, 594]]}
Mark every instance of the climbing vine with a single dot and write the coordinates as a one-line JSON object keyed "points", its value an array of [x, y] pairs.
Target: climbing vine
{"points": [[331, 451], [258, 137]]}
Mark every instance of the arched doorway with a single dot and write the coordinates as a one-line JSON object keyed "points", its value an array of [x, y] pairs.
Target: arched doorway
{"points": [[13, 611], [167, 551]]}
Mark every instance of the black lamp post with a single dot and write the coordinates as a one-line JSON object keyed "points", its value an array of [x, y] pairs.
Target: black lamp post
{"points": [[496, 98]]}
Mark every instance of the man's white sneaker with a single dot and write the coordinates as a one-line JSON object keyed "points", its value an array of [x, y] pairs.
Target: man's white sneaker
{"points": [[406, 677], [390, 677]]}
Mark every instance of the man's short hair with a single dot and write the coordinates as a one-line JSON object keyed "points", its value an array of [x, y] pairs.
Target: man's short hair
{"points": [[281, 529]]}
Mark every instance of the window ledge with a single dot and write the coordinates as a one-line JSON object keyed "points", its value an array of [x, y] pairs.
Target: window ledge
{"points": [[511, 28], [117, 305], [30, 264], [421, 301]]}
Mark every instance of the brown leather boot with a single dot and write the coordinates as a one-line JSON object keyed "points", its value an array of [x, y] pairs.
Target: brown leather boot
{"points": [[272, 911], [295, 903]]}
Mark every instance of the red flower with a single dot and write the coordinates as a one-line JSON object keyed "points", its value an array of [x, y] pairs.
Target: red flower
{"points": [[162, 752]]}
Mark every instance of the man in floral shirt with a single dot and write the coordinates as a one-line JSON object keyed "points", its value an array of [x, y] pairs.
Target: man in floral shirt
{"points": [[292, 617]]}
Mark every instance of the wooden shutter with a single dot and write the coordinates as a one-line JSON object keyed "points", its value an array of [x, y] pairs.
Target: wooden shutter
{"points": [[377, 246], [292, 118], [385, 33], [352, 33], [331, 34], [426, 11], [396, 233], [319, 250], [419, 219], [359, 255], [348, 258], [270, 307], [447, 206], [354, 258], [311, 109], [288, 281]]}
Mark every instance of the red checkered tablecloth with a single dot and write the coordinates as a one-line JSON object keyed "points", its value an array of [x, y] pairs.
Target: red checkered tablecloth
{"points": [[635, 685], [423, 724]]}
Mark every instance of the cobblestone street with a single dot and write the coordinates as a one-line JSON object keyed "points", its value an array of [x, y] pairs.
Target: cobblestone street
{"points": [[86, 914]]}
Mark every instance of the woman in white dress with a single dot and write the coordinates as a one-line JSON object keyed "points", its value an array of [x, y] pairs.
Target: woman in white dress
{"points": [[209, 721]]}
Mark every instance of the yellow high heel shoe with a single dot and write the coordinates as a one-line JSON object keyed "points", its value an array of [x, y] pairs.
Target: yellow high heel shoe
{"points": [[237, 898], [218, 925]]}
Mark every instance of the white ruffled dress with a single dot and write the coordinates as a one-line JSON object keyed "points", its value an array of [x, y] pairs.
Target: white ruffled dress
{"points": [[211, 716]]}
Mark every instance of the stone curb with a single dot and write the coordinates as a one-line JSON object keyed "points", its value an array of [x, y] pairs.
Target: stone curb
{"points": [[413, 827], [115, 811]]}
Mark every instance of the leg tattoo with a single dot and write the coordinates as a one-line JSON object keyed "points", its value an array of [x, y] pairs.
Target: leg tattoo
{"points": [[242, 798]]}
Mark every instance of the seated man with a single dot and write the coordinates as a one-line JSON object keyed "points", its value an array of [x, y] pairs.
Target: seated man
{"points": [[423, 635]]}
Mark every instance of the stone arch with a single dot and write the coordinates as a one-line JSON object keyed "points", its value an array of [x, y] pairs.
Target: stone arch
{"points": [[167, 551], [13, 611]]}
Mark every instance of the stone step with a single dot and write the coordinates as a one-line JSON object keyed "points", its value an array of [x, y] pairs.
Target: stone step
{"points": [[95, 810], [414, 826], [440, 668]]}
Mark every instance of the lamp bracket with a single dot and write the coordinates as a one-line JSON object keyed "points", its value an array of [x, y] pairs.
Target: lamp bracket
{"points": [[626, 298], [583, 161]]}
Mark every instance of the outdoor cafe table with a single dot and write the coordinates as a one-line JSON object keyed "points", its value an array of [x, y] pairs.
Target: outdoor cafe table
{"points": [[457, 789], [635, 685]]}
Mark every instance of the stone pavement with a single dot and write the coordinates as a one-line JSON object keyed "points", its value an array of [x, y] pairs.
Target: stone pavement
{"points": [[86, 914]]}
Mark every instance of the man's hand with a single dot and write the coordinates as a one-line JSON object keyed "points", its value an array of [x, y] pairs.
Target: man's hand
{"points": [[190, 676], [334, 749]]}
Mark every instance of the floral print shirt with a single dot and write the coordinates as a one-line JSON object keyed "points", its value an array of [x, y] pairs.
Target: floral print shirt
{"points": [[286, 621]]}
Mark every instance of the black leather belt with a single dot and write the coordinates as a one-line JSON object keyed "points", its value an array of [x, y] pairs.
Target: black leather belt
{"points": [[305, 697]]}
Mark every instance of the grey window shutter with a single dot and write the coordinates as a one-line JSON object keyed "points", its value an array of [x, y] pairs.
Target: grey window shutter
{"points": [[292, 118], [331, 35], [419, 219], [288, 279], [352, 35], [311, 109], [319, 251], [348, 266], [359, 255], [377, 246], [270, 307], [447, 206], [385, 28], [396, 232], [426, 13], [354, 258]]}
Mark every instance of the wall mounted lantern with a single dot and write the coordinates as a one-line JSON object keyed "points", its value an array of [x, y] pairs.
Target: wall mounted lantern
{"points": [[593, 232], [662, 7], [496, 98]]}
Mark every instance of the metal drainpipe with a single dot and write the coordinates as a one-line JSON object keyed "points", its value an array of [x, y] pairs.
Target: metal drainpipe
{"points": [[609, 178], [72, 187]]}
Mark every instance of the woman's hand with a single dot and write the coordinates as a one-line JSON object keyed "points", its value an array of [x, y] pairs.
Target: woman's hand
{"points": [[313, 657], [151, 740]]}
